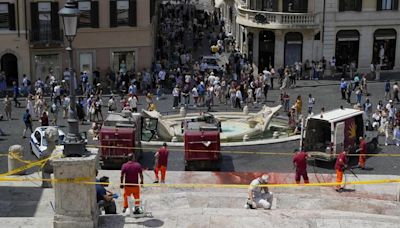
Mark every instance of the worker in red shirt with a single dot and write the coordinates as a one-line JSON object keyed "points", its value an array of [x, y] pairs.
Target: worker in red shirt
{"points": [[130, 173], [300, 162], [161, 162], [362, 150], [340, 166]]}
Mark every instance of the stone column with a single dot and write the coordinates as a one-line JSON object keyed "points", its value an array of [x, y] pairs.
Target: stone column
{"points": [[256, 49], [75, 204], [279, 49], [397, 54], [365, 50]]}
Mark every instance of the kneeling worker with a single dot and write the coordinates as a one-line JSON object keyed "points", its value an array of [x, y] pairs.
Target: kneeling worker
{"points": [[256, 198], [105, 198]]}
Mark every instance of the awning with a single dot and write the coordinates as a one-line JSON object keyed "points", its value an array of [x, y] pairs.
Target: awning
{"points": [[218, 3]]}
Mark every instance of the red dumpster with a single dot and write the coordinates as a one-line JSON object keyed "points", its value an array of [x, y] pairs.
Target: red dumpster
{"points": [[202, 149]]}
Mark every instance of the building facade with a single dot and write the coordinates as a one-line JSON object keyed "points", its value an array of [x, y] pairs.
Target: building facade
{"points": [[281, 32], [112, 34]]}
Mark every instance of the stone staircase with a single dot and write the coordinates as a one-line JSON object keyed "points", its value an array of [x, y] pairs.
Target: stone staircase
{"points": [[300, 207]]}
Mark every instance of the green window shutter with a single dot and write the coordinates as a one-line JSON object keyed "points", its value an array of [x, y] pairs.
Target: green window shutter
{"points": [[11, 16], [358, 5], [396, 5], [113, 14], [341, 5], [132, 13], [55, 22], [378, 5], [94, 14], [34, 16]]}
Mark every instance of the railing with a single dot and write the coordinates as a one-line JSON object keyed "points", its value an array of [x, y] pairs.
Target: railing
{"points": [[46, 36], [278, 18]]}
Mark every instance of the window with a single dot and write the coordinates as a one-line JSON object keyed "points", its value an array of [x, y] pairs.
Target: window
{"points": [[123, 12], [265, 5], [89, 16], [45, 24], [387, 5], [4, 16], [123, 61], [85, 15], [44, 9], [295, 6], [7, 16], [350, 5], [38, 137]]}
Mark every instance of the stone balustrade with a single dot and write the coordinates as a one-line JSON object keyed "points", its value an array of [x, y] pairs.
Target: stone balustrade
{"points": [[277, 20]]}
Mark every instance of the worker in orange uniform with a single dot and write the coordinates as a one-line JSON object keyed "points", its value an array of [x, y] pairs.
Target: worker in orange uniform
{"points": [[300, 162], [340, 166], [130, 173], [362, 150], [161, 162]]}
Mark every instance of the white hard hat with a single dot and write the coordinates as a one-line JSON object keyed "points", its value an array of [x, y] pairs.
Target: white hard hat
{"points": [[265, 178]]}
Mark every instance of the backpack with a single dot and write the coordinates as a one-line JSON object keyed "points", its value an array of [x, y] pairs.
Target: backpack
{"points": [[28, 82]]}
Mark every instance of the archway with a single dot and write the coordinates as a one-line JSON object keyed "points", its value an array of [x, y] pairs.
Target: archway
{"points": [[293, 48], [9, 64], [266, 53], [347, 47], [384, 49]]}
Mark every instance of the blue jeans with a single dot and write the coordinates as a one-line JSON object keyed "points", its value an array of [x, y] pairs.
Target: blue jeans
{"points": [[359, 98]]}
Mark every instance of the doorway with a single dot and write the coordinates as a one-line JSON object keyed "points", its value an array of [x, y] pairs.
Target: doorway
{"points": [[9, 64], [347, 47], [293, 48], [266, 50]]}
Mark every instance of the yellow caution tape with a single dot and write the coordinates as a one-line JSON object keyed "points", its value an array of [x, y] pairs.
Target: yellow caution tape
{"points": [[18, 157], [85, 180], [232, 152], [29, 165]]}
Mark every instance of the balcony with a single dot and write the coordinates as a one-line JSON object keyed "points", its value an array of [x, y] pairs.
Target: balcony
{"points": [[276, 20], [46, 38]]}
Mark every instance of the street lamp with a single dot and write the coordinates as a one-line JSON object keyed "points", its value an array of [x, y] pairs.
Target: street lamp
{"points": [[74, 144]]}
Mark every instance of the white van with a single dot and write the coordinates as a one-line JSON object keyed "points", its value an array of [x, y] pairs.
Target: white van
{"points": [[327, 134]]}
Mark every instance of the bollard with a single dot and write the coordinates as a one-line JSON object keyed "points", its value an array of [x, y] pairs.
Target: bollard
{"points": [[246, 138], [246, 110], [182, 111], [15, 155]]}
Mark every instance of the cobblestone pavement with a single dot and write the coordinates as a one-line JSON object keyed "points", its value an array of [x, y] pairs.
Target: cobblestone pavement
{"points": [[327, 95]]}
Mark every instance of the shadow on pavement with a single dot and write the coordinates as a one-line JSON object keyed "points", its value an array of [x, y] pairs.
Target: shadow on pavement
{"points": [[19, 201], [119, 221], [227, 164]]}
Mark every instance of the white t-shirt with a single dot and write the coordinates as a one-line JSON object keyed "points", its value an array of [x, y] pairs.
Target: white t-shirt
{"points": [[57, 90], [239, 94], [161, 75], [255, 188], [195, 93], [132, 102]]}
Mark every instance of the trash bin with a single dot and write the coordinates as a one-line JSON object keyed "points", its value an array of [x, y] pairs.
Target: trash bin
{"points": [[15, 156]]}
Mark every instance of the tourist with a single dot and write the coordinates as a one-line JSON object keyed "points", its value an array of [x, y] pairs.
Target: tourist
{"points": [[7, 107], [311, 103], [54, 111], [27, 118], [16, 94], [44, 119], [112, 106], [133, 102], [388, 95], [349, 90], [65, 105], [396, 92]]}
